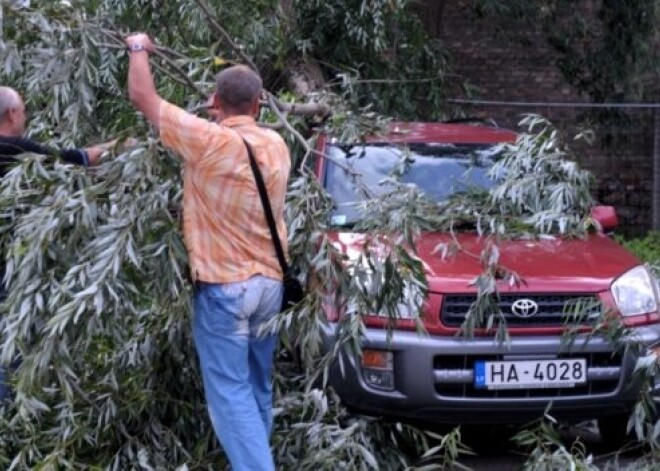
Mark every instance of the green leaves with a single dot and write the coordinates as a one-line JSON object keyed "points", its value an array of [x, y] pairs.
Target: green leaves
{"points": [[547, 450], [101, 325], [539, 185], [318, 433], [379, 50]]}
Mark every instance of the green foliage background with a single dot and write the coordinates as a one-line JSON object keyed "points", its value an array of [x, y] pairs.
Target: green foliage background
{"points": [[98, 305], [647, 248]]}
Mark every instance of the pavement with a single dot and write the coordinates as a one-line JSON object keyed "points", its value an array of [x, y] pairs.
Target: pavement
{"points": [[494, 451]]}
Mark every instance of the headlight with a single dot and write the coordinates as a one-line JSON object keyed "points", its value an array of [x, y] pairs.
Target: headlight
{"points": [[636, 292]]}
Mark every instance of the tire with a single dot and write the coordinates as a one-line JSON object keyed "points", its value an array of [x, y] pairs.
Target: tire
{"points": [[613, 430]]}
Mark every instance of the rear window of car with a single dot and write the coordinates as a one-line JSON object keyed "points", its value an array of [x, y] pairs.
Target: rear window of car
{"points": [[437, 169]]}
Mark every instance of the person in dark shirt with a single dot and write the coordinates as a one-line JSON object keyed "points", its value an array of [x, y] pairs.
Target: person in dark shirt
{"points": [[12, 142]]}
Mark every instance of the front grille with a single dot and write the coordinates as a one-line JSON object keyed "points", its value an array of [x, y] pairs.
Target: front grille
{"points": [[553, 309], [463, 366]]}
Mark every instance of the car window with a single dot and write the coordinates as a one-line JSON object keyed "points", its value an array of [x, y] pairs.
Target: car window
{"points": [[439, 170]]}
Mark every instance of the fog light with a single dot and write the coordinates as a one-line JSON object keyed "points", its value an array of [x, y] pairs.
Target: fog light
{"points": [[378, 368], [379, 379]]}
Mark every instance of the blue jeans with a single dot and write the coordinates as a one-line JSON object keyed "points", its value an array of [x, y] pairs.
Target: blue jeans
{"points": [[236, 365]]}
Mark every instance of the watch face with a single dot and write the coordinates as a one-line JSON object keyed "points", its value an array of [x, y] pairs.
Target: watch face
{"points": [[137, 47]]}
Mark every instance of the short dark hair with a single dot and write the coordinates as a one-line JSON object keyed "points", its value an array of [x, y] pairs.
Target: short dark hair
{"points": [[238, 87]]}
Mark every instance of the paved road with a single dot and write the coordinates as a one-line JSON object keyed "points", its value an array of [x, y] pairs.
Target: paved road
{"points": [[495, 452]]}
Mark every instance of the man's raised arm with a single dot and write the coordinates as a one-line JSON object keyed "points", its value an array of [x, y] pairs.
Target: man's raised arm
{"points": [[141, 87]]}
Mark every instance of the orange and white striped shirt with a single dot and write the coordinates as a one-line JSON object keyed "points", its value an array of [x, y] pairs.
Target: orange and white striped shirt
{"points": [[224, 225]]}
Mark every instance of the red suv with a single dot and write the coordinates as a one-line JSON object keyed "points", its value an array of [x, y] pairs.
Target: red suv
{"points": [[444, 377]]}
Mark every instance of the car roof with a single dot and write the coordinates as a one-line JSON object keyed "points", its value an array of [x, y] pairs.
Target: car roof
{"points": [[415, 132]]}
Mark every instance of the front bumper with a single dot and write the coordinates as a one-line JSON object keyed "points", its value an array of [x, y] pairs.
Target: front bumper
{"points": [[433, 378]]}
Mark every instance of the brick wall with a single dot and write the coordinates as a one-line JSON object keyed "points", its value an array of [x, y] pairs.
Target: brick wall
{"points": [[504, 68]]}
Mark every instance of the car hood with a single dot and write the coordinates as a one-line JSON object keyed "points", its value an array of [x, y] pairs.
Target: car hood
{"points": [[577, 265]]}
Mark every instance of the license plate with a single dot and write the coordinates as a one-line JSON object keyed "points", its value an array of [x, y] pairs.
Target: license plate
{"points": [[530, 374]]}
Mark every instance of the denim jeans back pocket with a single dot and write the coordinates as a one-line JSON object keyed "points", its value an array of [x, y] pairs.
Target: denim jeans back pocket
{"points": [[221, 308]]}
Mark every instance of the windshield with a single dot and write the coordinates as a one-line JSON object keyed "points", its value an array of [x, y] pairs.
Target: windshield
{"points": [[439, 170]]}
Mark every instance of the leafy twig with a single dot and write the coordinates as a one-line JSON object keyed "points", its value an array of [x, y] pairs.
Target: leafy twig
{"points": [[217, 27]]}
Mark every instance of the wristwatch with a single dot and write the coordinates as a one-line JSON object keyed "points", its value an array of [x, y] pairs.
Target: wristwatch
{"points": [[136, 47]]}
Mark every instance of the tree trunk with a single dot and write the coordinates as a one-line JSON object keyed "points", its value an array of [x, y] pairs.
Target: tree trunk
{"points": [[303, 76]]}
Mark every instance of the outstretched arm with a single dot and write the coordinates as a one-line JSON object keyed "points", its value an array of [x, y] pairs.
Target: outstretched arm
{"points": [[141, 87], [86, 156]]}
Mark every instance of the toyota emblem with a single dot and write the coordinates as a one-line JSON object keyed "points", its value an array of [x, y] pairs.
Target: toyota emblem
{"points": [[524, 307]]}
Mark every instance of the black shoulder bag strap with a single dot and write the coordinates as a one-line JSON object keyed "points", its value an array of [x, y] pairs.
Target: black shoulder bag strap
{"points": [[263, 194]]}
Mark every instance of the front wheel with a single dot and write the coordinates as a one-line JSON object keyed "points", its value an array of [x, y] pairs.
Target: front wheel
{"points": [[613, 430]]}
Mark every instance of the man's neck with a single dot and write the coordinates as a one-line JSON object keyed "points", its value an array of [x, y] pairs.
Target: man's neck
{"points": [[233, 117]]}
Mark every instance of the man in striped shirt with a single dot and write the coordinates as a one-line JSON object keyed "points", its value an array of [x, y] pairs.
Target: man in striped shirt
{"points": [[237, 276]]}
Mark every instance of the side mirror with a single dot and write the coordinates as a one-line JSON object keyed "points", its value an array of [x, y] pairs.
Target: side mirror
{"points": [[605, 216]]}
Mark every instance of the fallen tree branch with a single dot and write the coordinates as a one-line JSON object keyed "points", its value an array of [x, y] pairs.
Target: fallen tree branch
{"points": [[280, 108], [218, 29], [303, 109], [158, 53], [306, 109], [161, 52], [282, 117]]}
